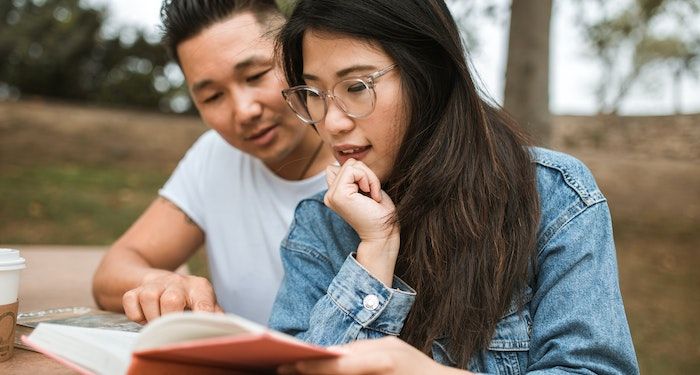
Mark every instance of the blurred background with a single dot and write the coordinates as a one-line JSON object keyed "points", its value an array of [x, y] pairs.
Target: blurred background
{"points": [[94, 117]]}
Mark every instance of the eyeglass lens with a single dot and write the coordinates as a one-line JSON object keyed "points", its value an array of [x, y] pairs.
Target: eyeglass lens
{"points": [[352, 96]]}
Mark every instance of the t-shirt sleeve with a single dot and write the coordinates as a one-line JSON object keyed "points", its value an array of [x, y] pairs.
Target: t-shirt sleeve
{"points": [[184, 187]]}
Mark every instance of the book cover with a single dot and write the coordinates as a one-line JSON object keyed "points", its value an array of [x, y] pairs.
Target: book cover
{"points": [[177, 343]]}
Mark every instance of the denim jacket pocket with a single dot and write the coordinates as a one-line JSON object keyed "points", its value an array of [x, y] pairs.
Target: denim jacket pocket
{"points": [[507, 353]]}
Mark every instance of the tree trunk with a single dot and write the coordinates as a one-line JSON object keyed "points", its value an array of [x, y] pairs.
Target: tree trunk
{"points": [[527, 71]]}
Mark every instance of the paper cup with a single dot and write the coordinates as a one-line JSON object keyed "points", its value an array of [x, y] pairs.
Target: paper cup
{"points": [[10, 266]]}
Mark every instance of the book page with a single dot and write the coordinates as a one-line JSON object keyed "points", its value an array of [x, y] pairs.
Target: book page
{"points": [[189, 326], [72, 316], [99, 350]]}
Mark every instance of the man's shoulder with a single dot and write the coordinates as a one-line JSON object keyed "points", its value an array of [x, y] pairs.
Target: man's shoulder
{"points": [[211, 153], [210, 141]]}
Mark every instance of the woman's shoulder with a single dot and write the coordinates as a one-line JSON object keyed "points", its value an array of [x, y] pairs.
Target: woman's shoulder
{"points": [[562, 175], [312, 208], [318, 229], [566, 189], [313, 213]]}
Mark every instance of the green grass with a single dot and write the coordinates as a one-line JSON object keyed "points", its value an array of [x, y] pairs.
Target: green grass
{"points": [[71, 204], [77, 205]]}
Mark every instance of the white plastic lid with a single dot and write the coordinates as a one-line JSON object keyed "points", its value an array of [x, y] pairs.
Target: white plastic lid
{"points": [[10, 260]]}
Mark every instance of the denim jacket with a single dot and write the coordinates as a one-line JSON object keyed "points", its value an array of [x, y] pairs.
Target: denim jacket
{"points": [[573, 320]]}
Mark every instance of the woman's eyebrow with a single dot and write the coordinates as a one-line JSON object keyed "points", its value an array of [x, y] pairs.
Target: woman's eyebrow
{"points": [[351, 70]]}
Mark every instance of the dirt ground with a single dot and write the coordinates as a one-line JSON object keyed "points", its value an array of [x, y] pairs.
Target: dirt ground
{"points": [[648, 167]]}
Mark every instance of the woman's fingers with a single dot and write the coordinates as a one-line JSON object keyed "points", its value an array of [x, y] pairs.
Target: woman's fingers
{"points": [[371, 183], [331, 174], [355, 173]]}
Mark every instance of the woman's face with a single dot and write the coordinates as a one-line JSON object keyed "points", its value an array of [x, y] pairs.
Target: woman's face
{"points": [[374, 139]]}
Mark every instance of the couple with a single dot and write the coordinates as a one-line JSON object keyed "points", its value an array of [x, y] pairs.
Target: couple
{"points": [[439, 226]]}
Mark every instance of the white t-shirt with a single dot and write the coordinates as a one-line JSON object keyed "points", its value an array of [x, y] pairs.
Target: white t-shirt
{"points": [[245, 211]]}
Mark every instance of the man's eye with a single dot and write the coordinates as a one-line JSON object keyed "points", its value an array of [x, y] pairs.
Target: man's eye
{"points": [[212, 98], [256, 77]]}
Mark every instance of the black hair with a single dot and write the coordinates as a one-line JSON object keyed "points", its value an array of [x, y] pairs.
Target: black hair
{"points": [[183, 19]]}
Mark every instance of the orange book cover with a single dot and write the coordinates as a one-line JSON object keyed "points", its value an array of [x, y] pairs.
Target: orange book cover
{"points": [[252, 353], [180, 343]]}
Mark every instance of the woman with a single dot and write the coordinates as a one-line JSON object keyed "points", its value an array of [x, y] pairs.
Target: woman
{"points": [[439, 226]]}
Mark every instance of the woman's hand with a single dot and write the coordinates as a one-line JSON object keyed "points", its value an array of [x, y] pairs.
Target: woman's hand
{"points": [[354, 193], [385, 356]]}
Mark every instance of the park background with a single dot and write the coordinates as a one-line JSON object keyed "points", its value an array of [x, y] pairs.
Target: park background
{"points": [[94, 117]]}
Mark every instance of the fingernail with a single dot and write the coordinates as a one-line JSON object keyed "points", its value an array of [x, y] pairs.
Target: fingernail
{"points": [[204, 306], [338, 349]]}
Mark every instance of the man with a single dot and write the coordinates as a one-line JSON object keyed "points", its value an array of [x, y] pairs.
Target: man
{"points": [[238, 185]]}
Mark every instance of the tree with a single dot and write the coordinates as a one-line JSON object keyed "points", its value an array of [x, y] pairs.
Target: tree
{"points": [[54, 48], [526, 94], [629, 45], [45, 46]]}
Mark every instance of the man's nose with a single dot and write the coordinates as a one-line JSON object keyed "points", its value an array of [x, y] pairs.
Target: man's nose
{"points": [[247, 108]]}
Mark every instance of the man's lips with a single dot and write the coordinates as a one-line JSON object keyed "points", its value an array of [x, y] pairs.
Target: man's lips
{"points": [[260, 133]]}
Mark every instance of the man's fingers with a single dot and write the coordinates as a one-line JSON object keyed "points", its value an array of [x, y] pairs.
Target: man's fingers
{"points": [[172, 300], [132, 307], [149, 299], [201, 295], [164, 295]]}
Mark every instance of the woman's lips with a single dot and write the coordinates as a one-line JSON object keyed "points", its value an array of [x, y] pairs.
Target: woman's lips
{"points": [[345, 153]]}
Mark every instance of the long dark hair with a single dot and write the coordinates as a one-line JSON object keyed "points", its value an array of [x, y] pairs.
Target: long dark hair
{"points": [[463, 181]]}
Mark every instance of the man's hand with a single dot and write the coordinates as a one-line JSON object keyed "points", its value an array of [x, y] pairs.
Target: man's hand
{"points": [[164, 292]]}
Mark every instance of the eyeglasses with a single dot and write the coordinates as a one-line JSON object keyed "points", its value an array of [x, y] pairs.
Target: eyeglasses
{"points": [[354, 96]]}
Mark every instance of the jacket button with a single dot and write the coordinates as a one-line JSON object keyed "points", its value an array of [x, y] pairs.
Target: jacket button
{"points": [[370, 302]]}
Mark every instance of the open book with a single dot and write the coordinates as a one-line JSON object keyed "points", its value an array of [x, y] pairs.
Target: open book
{"points": [[178, 343], [80, 316]]}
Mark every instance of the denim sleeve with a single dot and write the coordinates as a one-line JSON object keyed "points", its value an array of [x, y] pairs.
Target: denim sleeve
{"points": [[324, 307], [579, 323]]}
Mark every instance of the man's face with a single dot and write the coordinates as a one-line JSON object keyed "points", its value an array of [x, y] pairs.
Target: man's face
{"points": [[234, 84]]}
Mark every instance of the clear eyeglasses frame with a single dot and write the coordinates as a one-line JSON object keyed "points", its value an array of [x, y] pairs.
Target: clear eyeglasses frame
{"points": [[354, 96]]}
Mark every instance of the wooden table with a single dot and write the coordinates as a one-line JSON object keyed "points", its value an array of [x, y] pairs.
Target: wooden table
{"points": [[56, 276]]}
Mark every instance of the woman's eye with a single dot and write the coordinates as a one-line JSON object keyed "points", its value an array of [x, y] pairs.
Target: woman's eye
{"points": [[356, 87], [256, 77]]}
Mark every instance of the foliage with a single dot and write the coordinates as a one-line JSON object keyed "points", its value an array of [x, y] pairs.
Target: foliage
{"points": [[55, 48], [645, 35]]}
